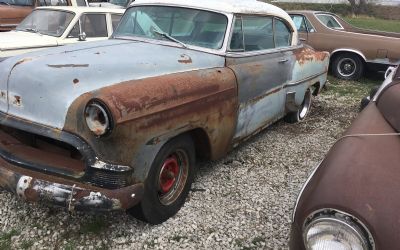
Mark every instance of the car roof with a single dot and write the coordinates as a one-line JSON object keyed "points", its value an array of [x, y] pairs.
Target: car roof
{"points": [[225, 6], [309, 12], [83, 9]]}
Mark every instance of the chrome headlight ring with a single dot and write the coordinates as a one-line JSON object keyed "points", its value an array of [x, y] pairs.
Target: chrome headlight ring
{"points": [[98, 118], [334, 229]]}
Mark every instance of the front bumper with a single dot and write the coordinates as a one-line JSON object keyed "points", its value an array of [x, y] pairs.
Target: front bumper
{"points": [[38, 187]]}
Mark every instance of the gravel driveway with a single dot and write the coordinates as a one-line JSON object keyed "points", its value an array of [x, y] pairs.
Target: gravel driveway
{"points": [[243, 201]]}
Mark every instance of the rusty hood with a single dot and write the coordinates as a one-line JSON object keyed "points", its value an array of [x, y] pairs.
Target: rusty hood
{"points": [[40, 86]]}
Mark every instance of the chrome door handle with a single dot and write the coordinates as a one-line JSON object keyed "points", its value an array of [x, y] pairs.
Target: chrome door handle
{"points": [[283, 60], [302, 39]]}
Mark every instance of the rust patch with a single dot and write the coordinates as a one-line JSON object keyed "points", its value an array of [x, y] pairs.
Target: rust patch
{"points": [[307, 54], [17, 100], [185, 59], [58, 66], [23, 61], [75, 81]]}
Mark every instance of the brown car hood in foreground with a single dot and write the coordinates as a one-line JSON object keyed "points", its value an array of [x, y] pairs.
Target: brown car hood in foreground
{"points": [[361, 175]]}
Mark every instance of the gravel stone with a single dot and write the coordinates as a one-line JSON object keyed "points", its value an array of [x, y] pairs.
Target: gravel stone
{"points": [[243, 201]]}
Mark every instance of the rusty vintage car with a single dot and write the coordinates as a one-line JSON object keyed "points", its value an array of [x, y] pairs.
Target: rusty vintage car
{"points": [[12, 12], [350, 201], [352, 49], [119, 124]]}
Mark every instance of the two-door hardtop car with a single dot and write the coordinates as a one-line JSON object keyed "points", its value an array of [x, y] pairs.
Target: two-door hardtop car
{"points": [[119, 124], [56, 26], [12, 12], [352, 49], [351, 199]]}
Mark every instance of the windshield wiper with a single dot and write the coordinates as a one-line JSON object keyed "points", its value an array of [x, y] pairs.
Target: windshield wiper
{"points": [[165, 35]]}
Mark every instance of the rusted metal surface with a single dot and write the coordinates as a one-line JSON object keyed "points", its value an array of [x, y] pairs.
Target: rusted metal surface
{"points": [[149, 111], [373, 46], [155, 92], [265, 79], [357, 171], [71, 196]]}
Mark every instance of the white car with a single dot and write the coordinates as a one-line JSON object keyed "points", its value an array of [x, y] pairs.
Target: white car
{"points": [[55, 26]]}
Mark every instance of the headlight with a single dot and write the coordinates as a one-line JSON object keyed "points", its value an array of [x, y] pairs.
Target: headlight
{"points": [[334, 230], [97, 118]]}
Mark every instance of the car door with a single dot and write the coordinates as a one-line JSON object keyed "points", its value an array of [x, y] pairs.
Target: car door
{"points": [[304, 28], [261, 62], [93, 27]]}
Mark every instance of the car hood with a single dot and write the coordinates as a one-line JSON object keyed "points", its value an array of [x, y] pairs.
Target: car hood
{"points": [[14, 40], [40, 86], [360, 176]]}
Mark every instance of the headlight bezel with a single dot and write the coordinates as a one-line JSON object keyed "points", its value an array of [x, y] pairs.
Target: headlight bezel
{"points": [[337, 216], [90, 122]]}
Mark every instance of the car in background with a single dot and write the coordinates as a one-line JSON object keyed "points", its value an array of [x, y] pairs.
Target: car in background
{"points": [[55, 26], [12, 12], [352, 49], [350, 200], [120, 123]]}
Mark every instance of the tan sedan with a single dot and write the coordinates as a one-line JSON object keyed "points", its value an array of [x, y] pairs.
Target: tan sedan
{"points": [[352, 49]]}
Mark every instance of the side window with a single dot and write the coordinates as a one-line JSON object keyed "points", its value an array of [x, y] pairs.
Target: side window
{"points": [[53, 3], [115, 18], [252, 33], [329, 21], [94, 25], [283, 36], [299, 22], [81, 3]]}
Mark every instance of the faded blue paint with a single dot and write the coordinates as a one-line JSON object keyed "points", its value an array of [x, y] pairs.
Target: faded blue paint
{"points": [[47, 82]]}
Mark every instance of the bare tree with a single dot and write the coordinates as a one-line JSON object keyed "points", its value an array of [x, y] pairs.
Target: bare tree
{"points": [[358, 6]]}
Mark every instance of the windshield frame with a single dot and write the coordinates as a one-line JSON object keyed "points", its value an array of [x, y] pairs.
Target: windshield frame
{"points": [[74, 14], [220, 51]]}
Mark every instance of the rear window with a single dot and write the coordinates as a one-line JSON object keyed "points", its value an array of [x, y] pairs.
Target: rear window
{"points": [[329, 21]]}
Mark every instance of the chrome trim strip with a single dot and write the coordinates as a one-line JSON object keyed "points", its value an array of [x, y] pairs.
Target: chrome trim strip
{"points": [[287, 85]]}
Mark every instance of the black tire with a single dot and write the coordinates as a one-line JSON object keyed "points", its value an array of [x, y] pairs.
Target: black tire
{"points": [[301, 113], [161, 201], [366, 100], [348, 66]]}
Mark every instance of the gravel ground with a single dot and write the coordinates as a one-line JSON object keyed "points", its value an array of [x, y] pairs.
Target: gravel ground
{"points": [[243, 201]]}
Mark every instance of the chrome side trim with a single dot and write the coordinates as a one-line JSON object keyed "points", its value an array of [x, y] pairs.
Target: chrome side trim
{"points": [[304, 80]]}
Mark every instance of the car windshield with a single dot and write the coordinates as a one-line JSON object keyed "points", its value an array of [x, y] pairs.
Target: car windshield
{"points": [[46, 22], [17, 2], [329, 21], [122, 3], [181, 25]]}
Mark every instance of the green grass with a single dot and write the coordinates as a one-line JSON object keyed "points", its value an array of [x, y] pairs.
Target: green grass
{"points": [[374, 23], [5, 239], [26, 244], [352, 89]]}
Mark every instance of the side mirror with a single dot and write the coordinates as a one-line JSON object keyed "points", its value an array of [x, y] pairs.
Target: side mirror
{"points": [[82, 36]]}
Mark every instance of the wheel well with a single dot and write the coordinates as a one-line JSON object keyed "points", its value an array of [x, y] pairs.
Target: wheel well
{"points": [[201, 143], [315, 88], [336, 54]]}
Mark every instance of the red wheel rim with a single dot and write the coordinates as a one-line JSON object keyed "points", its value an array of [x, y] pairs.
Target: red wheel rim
{"points": [[169, 174]]}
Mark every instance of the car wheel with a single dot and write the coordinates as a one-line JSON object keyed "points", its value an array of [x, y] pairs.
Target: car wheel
{"points": [[168, 182], [348, 66], [304, 109]]}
